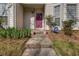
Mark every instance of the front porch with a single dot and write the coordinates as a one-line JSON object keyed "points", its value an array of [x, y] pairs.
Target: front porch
{"points": [[30, 16]]}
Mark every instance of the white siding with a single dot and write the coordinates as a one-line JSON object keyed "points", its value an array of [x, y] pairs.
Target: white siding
{"points": [[10, 16], [77, 25], [49, 10]]}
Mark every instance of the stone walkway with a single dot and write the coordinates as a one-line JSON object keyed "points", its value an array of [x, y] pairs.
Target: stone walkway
{"points": [[39, 45]]}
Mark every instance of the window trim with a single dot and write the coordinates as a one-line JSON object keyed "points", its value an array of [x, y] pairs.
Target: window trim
{"points": [[75, 10], [57, 22], [58, 16]]}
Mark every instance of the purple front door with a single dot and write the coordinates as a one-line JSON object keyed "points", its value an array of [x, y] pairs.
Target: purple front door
{"points": [[39, 20]]}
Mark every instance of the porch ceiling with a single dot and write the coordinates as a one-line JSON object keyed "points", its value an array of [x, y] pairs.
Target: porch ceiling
{"points": [[33, 5]]}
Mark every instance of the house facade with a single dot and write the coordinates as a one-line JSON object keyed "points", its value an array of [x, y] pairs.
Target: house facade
{"points": [[33, 15]]}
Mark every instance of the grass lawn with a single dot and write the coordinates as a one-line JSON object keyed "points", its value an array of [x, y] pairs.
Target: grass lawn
{"points": [[65, 45], [12, 47], [66, 48]]}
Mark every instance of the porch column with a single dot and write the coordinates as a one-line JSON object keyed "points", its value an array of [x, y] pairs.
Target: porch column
{"points": [[64, 12], [19, 16]]}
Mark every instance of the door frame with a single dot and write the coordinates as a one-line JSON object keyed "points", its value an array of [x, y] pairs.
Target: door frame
{"points": [[41, 20]]}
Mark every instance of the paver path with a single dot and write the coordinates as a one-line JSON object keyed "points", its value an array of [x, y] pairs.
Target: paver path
{"points": [[39, 45]]}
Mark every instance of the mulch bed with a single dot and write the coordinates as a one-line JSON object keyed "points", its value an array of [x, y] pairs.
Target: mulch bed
{"points": [[62, 36], [12, 47]]}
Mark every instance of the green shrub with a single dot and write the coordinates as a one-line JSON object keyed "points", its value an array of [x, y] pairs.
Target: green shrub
{"points": [[49, 20], [2, 33], [29, 32], [68, 27], [15, 33]]}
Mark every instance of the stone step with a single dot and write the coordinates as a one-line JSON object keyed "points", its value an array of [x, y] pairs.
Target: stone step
{"points": [[37, 32], [39, 52], [31, 52], [47, 52]]}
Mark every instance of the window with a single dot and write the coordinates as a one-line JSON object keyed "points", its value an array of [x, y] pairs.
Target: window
{"points": [[3, 12], [57, 21], [5, 19], [2, 9], [57, 14], [57, 11], [71, 11]]}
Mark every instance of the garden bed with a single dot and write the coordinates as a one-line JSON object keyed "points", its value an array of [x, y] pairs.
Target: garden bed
{"points": [[12, 41], [11, 47], [62, 36], [65, 45]]}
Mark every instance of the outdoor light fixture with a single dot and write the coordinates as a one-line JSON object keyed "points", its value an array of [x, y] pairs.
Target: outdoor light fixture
{"points": [[33, 10]]}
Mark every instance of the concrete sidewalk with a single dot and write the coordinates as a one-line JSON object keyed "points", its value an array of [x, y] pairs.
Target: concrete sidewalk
{"points": [[39, 45]]}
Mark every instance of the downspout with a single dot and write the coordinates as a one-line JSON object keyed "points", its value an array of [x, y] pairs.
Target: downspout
{"points": [[44, 17], [14, 11]]}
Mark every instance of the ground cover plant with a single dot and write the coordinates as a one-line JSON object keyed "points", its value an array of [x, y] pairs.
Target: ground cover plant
{"points": [[12, 41], [15, 33]]}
